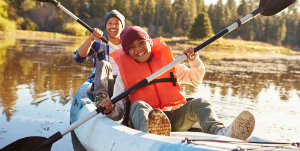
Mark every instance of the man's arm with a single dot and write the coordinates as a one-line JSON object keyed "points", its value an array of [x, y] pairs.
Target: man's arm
{"points": [[84, 49]]}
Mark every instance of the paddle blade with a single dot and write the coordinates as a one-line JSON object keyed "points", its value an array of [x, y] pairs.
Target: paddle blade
{"points": [[274, 6], [27, 144]]}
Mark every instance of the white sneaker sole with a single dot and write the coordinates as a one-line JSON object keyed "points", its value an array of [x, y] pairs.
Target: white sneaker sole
{"points": [[243, 126]]}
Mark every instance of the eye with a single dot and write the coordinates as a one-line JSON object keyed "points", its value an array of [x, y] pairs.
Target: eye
{"points": [[142, 41], [131, 47]]}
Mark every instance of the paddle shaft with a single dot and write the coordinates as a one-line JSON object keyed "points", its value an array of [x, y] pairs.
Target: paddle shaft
{"points": [[57, 4]]}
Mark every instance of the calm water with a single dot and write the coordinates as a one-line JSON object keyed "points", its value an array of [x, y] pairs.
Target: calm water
{"points": [[38, 79]]}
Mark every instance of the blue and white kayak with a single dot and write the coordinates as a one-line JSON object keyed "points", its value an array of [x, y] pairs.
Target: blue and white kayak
{"points": [[102, 133]]}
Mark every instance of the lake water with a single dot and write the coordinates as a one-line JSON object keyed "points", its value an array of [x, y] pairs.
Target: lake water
{"points": [[38, 79]]}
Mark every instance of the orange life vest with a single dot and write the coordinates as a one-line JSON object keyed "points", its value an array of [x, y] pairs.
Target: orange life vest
{"points": [[157, 95]]}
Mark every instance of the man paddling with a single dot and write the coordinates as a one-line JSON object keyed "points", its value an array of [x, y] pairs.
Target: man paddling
{"points": [[105, 69], [159, 107]]}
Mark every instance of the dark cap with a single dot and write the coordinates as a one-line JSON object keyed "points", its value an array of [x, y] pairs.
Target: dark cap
{"points": [[115, 13], [132, 33]]}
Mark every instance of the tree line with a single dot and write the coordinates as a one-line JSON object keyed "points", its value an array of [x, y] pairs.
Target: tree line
{"points": [[162, 17]]}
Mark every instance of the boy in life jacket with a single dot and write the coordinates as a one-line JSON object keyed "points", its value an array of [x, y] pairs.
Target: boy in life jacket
{"points": [[159, 107]]}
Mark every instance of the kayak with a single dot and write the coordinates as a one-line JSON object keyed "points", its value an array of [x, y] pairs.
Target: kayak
{"points": [[102, 133]]}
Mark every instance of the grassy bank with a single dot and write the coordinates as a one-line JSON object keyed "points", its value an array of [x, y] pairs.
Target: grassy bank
{"points": [[234, 44], [232, 48]]}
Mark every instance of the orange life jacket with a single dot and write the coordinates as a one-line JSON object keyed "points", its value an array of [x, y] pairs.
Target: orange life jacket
{"points": [[157, 95]]}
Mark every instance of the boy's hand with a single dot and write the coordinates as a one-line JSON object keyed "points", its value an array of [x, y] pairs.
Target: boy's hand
{"points": [[96, 35], [190, 54], [108, 105]]}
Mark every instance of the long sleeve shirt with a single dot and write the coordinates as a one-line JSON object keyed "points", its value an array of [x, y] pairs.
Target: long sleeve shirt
{"points": [[193, 76], [98, 51]]}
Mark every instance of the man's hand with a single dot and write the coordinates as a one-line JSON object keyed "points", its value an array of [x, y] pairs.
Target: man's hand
{"points": [[190, 54], [96, 35], [108, 105]]}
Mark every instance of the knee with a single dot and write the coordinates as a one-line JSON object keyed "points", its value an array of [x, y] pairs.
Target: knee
{"points": [[200, 102], [139, 105], [102, 64]]}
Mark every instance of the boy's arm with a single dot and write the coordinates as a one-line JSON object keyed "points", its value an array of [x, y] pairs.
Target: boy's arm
{"points": [[193, 75], [119, 110]]}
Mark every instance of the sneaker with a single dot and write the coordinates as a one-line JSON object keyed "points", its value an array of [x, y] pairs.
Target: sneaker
{"points": [[158, 123], [241, 128]]}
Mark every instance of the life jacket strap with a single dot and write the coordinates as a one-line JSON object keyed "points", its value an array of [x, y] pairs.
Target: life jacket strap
{"points": [[172, 79]]}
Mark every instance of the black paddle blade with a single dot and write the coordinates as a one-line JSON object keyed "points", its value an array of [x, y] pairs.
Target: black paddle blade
{"points": [[28, 144], [274, 6]]}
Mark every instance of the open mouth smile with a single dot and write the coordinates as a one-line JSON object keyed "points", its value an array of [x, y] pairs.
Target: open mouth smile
{"points": [[141, 54]]}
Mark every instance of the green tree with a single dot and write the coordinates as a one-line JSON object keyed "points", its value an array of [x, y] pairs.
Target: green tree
{"points": [[233, 9], [136, 17], [281, 32], [243, 9], [166, 16], [6, 24], [228, 16], [28, 4], [220, 11], [187, 19], [268, 29], [3, 9], [183, 19], [200, 6], [28, 24], [260, 28], [201, 28], [131, 10], [149, 13], [192, 10], [97, 8], [212, 15]]}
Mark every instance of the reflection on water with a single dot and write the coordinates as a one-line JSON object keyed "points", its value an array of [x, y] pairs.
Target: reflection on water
{"points": [[42, 68], [38, 79]]}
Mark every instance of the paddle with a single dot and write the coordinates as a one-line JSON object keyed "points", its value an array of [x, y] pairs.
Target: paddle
{"points": [[266, 7], [57, 4]]}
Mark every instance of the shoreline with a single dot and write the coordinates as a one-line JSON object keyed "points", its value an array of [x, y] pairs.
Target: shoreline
{"points": [[218, 50]]}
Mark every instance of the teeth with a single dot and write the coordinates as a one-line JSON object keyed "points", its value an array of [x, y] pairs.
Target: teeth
{"points": [[141, 54]]}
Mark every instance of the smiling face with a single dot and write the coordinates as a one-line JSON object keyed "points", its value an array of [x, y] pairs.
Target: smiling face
{"points": [[114, 27], [140, 50]]}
